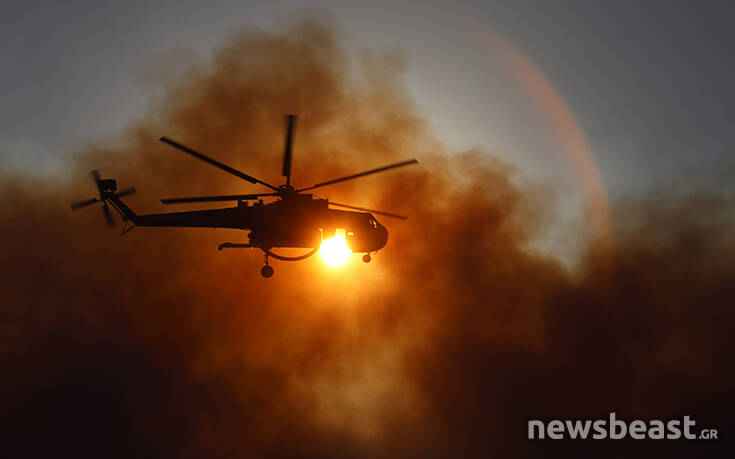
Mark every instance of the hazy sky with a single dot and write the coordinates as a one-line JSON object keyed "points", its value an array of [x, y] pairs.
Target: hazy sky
{"points": [[649, 82]]}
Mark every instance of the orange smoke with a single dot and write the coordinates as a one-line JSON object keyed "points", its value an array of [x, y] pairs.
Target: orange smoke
{"points": [[156, 344]]}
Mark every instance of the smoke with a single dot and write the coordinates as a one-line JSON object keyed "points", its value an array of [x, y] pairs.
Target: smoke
{"points": [[155, 344]]}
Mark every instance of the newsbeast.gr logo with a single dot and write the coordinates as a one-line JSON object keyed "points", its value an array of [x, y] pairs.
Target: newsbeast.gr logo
{"points": [[617, 429]]}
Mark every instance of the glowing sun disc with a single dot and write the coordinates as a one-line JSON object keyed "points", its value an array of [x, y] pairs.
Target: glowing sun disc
{"points": [[334, 251]]}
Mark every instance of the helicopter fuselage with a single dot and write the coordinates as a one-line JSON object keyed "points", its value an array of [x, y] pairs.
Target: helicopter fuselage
{"points": [[299, 222]]}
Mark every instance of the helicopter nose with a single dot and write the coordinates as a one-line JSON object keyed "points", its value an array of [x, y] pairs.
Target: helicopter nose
{"points": [[382, 238]]}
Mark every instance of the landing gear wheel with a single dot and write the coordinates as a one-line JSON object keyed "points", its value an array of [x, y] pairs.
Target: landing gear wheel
{"points": [[366, 258], [266, 271]]}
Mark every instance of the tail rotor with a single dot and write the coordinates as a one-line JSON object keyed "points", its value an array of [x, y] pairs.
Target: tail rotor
{"points": [[107, 188]]}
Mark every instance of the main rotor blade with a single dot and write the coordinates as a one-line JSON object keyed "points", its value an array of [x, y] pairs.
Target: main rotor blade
{"points": [[361, 174], [96, 177], [215, 163], [290, 126], [372, 211], [125, 192], [108, 216], [232, 197], [80, 204]]}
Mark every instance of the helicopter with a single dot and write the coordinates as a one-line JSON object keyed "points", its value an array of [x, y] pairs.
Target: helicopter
{"points": [[295, 219]]}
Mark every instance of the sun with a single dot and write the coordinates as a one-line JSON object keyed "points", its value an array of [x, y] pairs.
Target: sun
{"points": [[334, 251]]}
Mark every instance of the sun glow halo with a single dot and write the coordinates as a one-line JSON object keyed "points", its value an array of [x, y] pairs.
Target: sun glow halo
{"points": [[334, 251]]}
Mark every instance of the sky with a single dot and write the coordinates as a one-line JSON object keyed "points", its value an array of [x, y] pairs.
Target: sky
{"points": [[650, 83]]}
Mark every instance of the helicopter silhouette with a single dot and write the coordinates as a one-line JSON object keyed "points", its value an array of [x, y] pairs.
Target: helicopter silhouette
{"points": [[293, 220]]}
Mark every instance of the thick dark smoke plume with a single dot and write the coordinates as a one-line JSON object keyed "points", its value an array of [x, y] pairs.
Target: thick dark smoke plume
{"points": [[157, 345]]}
